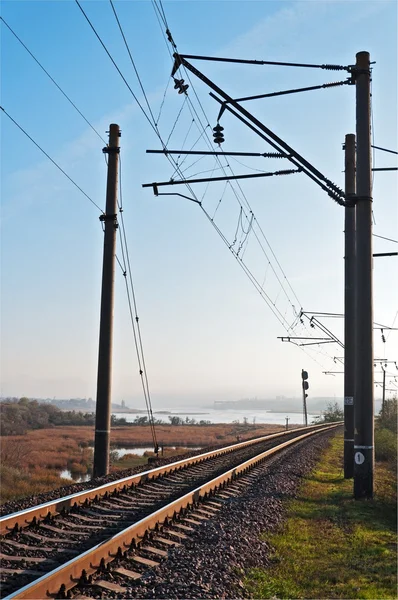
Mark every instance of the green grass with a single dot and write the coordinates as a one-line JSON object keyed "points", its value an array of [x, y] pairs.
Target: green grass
{"points": [[332, 546]]}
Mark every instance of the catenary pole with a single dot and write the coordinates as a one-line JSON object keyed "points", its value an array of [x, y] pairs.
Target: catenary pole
{"points": [[349, 307], [104, 378], [363, 400], [384, 392]]}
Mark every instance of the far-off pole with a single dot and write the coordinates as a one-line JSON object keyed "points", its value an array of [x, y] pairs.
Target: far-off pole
{"points": [[363, 401], [349, 306], [104, 378]]}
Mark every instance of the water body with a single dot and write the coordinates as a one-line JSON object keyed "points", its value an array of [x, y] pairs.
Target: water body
{"points": [[228, 416], [66, 474], [141, 451]]}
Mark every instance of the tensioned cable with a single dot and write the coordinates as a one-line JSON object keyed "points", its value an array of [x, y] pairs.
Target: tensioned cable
{"points": [[247, 203], [163, 101], [245, 199], [263, 295], [385, 149], [52, 160], [53, 80], [385, 238], [176, 120], [132, 60], [123, 269], [153, 125], [136, 325], [115, 65], [284, 275], [393, 323], [204, 129], [247, 216]]}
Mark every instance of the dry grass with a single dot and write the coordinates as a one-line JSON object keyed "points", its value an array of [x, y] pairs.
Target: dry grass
{"points": [[31, 463]]}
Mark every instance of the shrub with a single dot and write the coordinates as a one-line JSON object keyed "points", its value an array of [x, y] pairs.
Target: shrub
{"points": [[333, 412], [387, 417], [385, 444]]}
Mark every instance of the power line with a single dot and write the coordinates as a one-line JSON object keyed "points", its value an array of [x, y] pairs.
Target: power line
{"points": [[385, 238], [53, 80], [134, 317], [115, 65], [132, 60], [52, 160], [385, 149]]}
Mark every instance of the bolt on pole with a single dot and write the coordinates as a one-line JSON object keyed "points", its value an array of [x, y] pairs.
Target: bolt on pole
{"points": [[349, 307], [363, 401], [104, 377]]}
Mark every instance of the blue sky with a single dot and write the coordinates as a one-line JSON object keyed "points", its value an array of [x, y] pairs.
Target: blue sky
{"points": [[207, 333]]}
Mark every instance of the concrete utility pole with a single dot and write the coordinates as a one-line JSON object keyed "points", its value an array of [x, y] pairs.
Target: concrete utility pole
{"points": [[383, 402], [363, 412], [287, 423], [104, 378], [349, 307]]}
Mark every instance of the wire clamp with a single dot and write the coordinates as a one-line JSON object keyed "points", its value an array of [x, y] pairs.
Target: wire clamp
{"points": [[111, 150], [113, 218]]}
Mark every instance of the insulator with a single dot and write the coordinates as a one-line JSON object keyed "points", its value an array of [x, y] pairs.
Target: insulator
{"points": [[178, 83], [218, 128], [219, 139], [183, 89]]}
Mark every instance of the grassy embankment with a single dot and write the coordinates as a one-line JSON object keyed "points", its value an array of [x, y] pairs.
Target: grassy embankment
{"points": [[332, 546], [31, 463]]}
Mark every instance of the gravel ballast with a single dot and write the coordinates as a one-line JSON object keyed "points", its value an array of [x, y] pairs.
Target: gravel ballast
{"points": [[213, 560]]}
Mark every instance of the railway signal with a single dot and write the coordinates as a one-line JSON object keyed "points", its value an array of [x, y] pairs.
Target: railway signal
{"points": [[305, 386]]}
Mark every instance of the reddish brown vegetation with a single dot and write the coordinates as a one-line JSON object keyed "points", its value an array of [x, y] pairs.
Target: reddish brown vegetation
{"points": [[32, 462]]}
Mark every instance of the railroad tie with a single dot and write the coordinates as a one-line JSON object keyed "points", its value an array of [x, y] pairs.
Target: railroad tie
{"points": [[183, 527], [165, 541], [154, 550], [43, 538], [207, 514], [24, 558], [22, 571], [127, 573], [193, 521], [177, 534], [214, 503], [144, 561], [111, 587]]}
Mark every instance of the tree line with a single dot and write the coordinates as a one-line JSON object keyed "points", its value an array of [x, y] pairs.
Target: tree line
{"points": [[17, 416]]}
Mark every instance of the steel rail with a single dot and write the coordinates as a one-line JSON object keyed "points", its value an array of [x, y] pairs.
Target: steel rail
{"points": [[25, 517], [69, 574]]}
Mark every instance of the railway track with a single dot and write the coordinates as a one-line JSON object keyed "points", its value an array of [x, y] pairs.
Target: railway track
{"points": [[128, 525]]}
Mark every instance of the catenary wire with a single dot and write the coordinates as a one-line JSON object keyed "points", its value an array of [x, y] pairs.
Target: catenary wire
{"points": [[51, 159], [169, 36], [188, 77]]}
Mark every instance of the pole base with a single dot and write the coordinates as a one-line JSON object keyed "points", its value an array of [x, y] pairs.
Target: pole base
{"points": [[363, 472]]}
